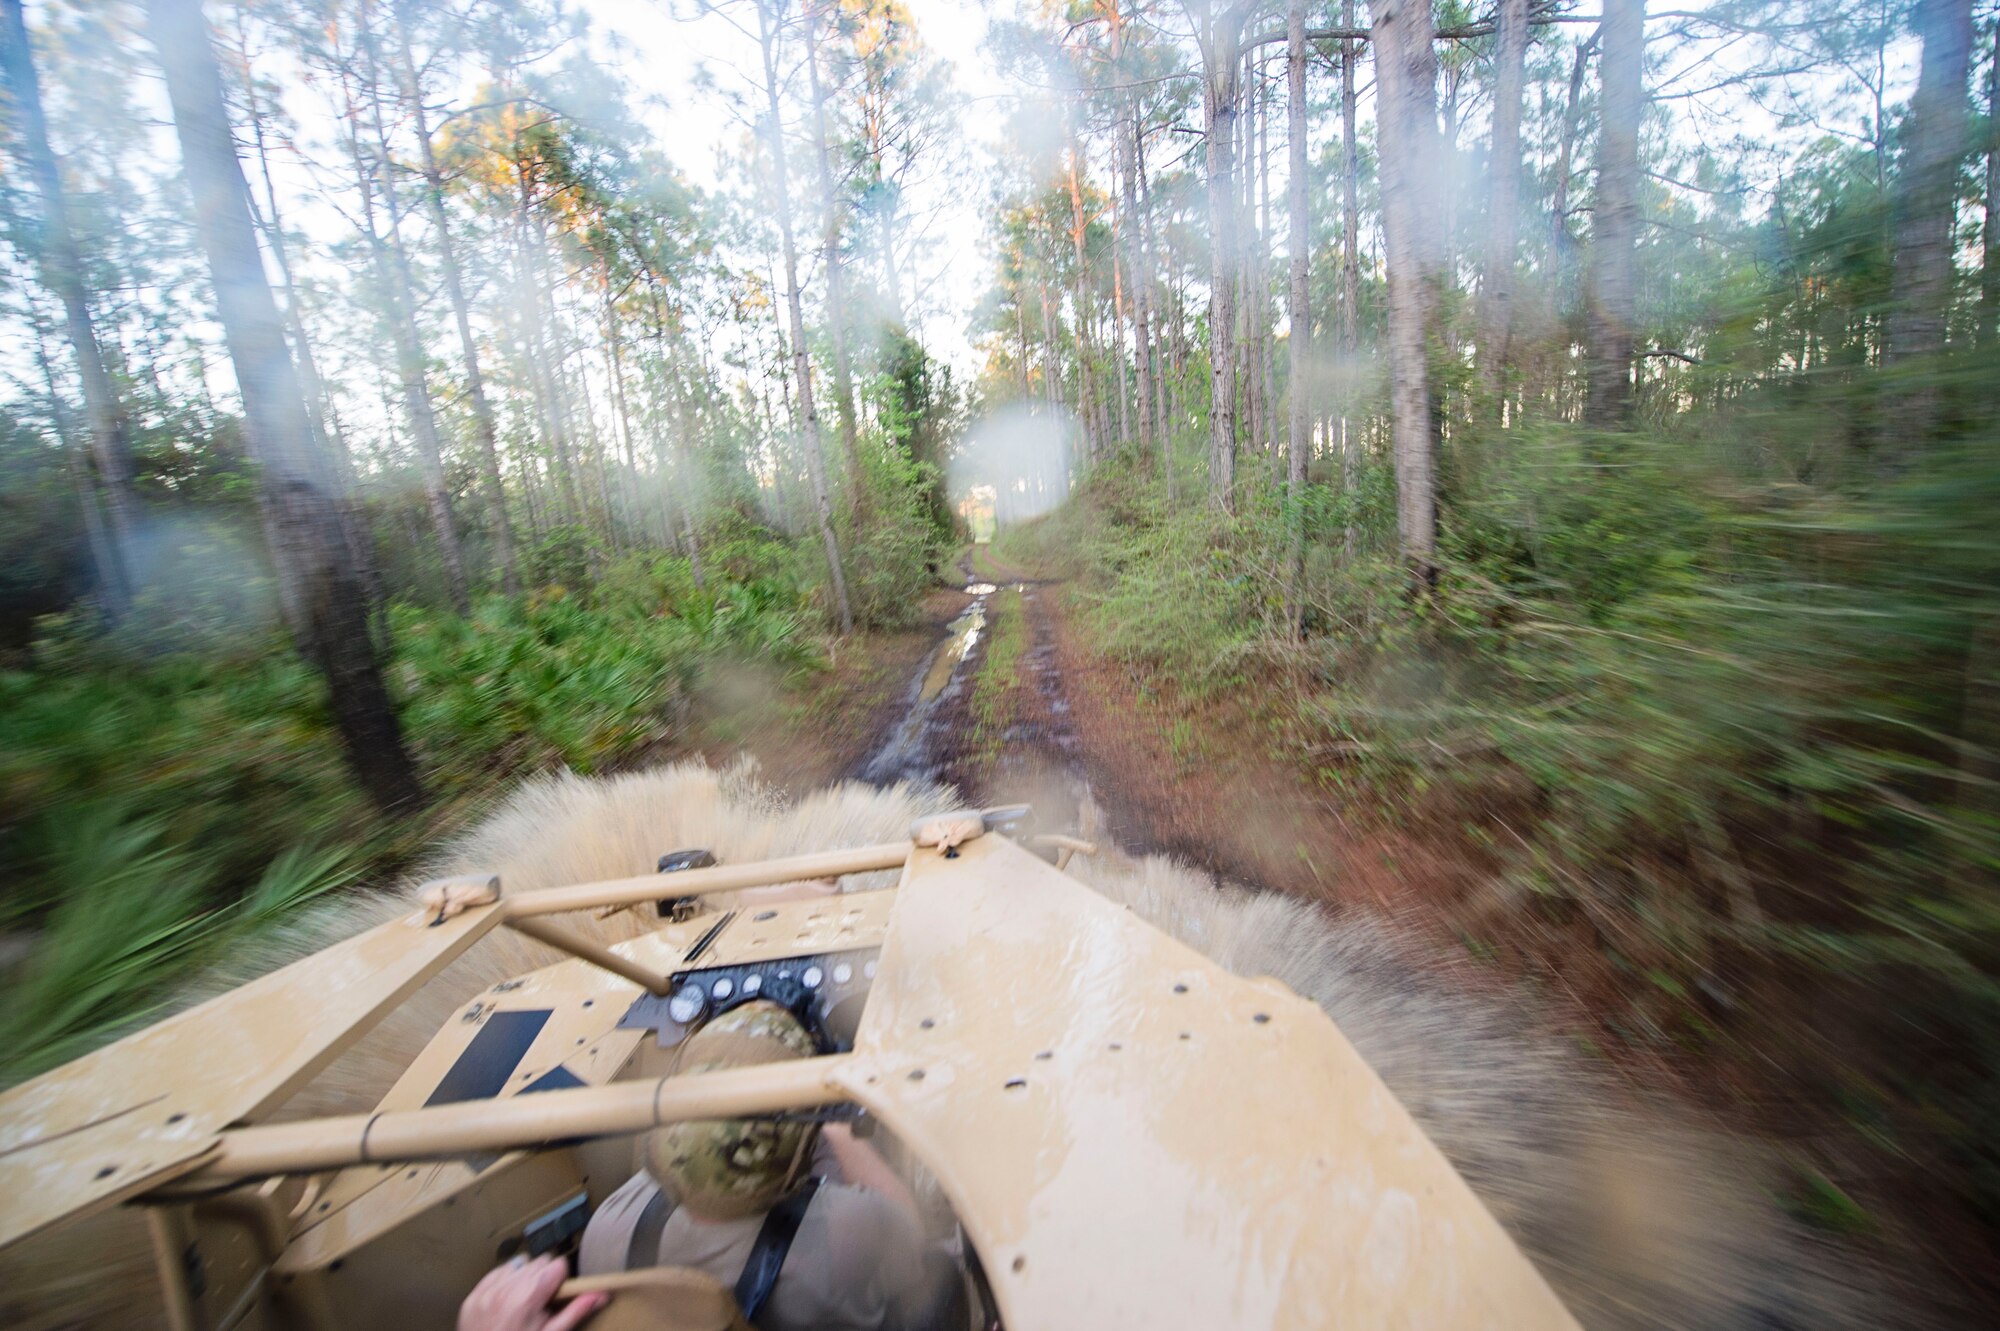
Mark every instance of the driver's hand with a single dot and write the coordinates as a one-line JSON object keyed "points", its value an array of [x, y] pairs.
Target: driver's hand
{"points": [[515, 1297]]}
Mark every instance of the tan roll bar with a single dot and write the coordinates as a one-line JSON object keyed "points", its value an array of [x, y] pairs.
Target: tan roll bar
{"points": [[562, 940], [441, 1131], [704, 882]]}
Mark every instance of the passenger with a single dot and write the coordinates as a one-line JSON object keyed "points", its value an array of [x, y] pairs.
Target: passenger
{"points": [[827, 1238]]}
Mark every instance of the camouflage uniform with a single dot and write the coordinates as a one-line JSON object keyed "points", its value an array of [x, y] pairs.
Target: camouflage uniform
{"points": [[724, 1169], [857, 1263]]}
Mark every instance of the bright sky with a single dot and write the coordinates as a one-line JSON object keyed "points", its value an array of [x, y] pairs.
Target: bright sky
{"points": [[701, 130]]}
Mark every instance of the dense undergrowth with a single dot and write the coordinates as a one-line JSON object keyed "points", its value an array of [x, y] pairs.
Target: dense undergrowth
{"points": [[1732, 729], [167, 795]]}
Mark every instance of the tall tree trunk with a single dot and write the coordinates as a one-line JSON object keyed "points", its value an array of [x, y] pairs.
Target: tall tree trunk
{"points": [[1989, 266], [1157, 333], [1086, 351], [1051, 361], [392, 275], [544, 346], [271, 224], [62, 272], [76, 458], [1267, 355], [691, 529], [1614, 230], [483, 423], [1221, 37], [1562, 244], [767, 18], [1248, 426], [1405, 82], [1139, 272], [1299, 314], [323, 595], [1350, 276], [1503, 172], [836, 281], [1926, 195]]}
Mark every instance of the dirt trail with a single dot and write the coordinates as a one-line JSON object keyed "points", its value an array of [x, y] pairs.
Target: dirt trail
{"points": [[1081, 730]]}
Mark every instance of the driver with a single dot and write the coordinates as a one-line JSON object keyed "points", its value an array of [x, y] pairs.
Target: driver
{"points": [[825, 1238]]}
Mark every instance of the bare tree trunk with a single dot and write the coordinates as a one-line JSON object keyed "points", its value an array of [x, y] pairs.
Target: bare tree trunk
{"points": [[1162, 416], [836, 282], [1496, 292], [767, 18], [691, 529], [323, 595], [1138, 272], [1051, 362], [1118, 334], [1086, 378], [1350, 275], [1267, 382], [1989, 232], [1405, 82], [76, 459], [1989, 267], [1926, 198], [1615, 220], [1299, 315], [392, 271], [544, 346], [62, 272], [272, 228], [1221, 37], [461, 311], [1250, 431], [1562, 245]]}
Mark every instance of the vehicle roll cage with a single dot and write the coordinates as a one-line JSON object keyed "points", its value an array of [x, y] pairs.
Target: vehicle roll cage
{"points": [[1100, 1104]]}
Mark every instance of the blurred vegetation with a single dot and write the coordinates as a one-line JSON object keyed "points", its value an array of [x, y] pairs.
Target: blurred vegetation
{"points": [[168, 790], [1731, 725]]}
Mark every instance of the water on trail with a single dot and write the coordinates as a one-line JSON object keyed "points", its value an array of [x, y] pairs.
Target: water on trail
{"points": [[1036, 760], [919, 744]]}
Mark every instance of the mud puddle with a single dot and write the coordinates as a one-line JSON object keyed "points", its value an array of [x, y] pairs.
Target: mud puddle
{"points": [[1037, 759], [922, 742]]}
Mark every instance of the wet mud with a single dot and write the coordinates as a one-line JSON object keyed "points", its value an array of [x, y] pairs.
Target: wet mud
{"points": [[1038, 759], [921, 743]]}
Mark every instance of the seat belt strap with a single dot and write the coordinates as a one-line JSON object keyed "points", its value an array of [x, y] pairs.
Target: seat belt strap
{"points": [[767, 1255], [643, 1248]]}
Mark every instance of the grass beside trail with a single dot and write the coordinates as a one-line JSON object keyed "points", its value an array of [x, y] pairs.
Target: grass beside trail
{"points": [[997, 689]]}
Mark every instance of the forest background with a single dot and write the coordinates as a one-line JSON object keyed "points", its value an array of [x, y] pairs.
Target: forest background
{"points": [[1569, 424]]}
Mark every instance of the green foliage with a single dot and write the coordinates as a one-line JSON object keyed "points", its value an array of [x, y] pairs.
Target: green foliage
{"points": [[1182, 590], [159, 808], [891, 555], [564, 556], [142, 913]]}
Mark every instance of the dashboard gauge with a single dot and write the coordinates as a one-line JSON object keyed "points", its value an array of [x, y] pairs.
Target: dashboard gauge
{"points": [[687, 1004], [723, 988], [812, 977], [842, 973], [869, 970], [752, 983]]}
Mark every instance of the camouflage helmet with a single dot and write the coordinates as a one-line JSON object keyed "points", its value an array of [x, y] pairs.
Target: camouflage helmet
{"points": [[725, 1169]]}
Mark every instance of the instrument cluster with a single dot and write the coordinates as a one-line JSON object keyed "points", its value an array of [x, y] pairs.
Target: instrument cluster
{"points": [[830, 987]]}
